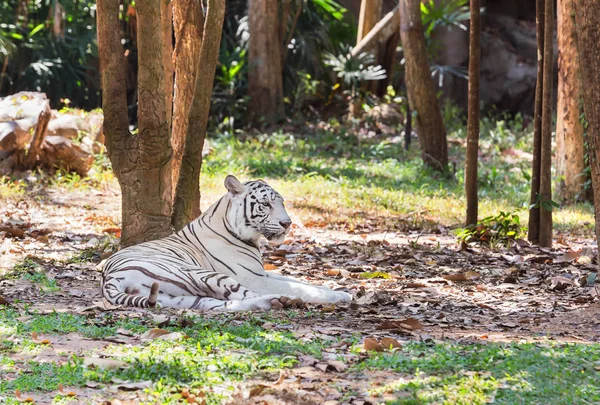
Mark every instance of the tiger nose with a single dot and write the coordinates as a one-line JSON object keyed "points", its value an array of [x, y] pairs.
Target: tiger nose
{"points": [[285, 224]]}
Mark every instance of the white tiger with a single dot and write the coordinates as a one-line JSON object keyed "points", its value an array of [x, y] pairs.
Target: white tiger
{"points": [[213, 263]]}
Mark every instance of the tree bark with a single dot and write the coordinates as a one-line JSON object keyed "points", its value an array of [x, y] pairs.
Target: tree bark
{"points": [[187, 193], [369, 16], [546, 147], [472, 153], [112, 69], [140, 162], [381, 32], [166, 27], [588, 44], [292, 29], [534, 212], [265, 78], [570, 153], [189, 23], [421, 92]]}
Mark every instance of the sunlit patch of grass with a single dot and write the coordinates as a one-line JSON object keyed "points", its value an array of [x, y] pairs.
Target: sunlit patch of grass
{"points": [[576, 219], [339, 178], [502, 373]]}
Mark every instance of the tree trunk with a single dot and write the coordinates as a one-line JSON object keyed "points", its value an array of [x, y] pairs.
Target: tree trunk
{"points": [[534, 212], [472, 153], [408, 127], [290, 35], [189, 23], [569, 129], [369, 16], [381, 32], [140, 162], [546, 147], [387, 59], [421, 92], [588, 44], [187, 193], [265, 78], [166, 27]]}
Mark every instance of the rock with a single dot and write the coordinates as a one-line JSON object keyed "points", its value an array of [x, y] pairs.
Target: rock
{"points": [[13, 136], [23, 105], [387, 114], [79, 125], [64, 153]]}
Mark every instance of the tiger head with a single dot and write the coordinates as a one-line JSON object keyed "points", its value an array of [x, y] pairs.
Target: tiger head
{"points": [[257, 209]]}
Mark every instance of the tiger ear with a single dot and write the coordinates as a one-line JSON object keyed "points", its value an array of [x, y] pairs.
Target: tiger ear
{"points": [[233, 185]]}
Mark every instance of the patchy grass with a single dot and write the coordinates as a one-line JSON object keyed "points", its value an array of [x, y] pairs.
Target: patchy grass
{"points": [[215, 355], [337, 177], [499, 373]]}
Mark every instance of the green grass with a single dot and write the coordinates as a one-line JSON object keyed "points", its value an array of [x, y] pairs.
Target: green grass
{"points": [[213, 354], [216, 354], [500, 373], [343, 178]]}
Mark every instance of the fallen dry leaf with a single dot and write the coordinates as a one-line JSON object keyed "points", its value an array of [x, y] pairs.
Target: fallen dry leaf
{"points": [[113, 231], [20, 398], [93, 362], [568, 256], [162, 334], [270, 266], [371, 344], [407, 324], [328, 308], [333, 272], [472, 275], [132, 386], [455, 277], [257, 390], [339, 366], [64, 393], [38, 340], [13, 231], [584, 260], [282, 377], [388, 343], [3, 301]]}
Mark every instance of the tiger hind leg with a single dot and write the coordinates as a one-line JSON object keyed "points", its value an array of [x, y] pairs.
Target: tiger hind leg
{"points": [[130, 297], [259, 303]]}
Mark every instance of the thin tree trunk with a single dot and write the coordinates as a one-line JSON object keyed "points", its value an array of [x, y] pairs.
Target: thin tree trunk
{"points": [[534, 212], [408, 127], [112, 69], [570, 153], [472, 153], [288, 39], [387, 59], [166, 26], [546, 147], [187, 194], [265, 76], [421, 92], [588, 44], [381, 32], [370, 14], [189, 23]]}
